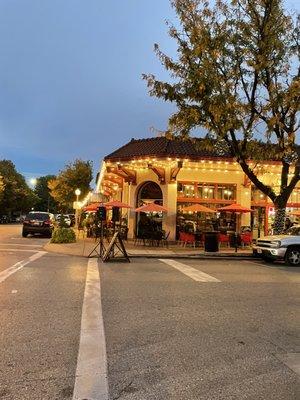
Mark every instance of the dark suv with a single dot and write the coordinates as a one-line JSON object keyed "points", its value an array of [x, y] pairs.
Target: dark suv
{"points": [[38, 222]]}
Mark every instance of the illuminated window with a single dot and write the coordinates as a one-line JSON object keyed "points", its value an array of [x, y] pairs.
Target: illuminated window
{"points": [[186, 190], [205, 191], [226, 192]]}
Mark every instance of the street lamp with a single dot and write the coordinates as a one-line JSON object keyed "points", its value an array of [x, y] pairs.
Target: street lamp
{"points": [[33, 181], [78, 193]]}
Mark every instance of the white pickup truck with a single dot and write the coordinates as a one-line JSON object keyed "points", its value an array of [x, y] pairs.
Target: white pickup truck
{"points": [[280, 247]]}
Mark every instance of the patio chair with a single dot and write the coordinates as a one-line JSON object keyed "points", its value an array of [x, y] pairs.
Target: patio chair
{"points": [[246, 239], [187, 238], [223, 239], [164, 240], [155, 238], [180, 241]]}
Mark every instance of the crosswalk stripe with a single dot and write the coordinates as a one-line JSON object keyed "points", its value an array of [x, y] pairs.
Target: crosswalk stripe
{"points": [[91, 372], [19, 265], [191, 272]]}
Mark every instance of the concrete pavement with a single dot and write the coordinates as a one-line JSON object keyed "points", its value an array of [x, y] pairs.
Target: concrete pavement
{"points": [[192, 329], [171, 337]]}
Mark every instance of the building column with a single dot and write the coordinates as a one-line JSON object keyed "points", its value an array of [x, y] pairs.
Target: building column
{"points": [[131, 200], [170, 202], [245, 201]]}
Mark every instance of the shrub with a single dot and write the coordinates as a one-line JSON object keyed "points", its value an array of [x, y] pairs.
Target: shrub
{"points": [[63, 235]]}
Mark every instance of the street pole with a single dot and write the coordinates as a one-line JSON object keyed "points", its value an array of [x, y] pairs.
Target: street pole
{"points": [[77, 192]]}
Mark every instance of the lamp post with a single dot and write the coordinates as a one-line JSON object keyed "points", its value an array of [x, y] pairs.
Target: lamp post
{"points": [[77, 192]]}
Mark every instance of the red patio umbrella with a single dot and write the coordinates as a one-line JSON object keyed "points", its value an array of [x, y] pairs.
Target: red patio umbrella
{"points": [[117, 203], [198, 208], [93, 206], [235, 208], [151, 207]]}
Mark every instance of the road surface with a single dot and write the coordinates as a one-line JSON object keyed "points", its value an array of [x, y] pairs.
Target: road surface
{"points": [[151, 329]]}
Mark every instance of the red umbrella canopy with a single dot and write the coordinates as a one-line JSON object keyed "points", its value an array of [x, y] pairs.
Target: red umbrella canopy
{"points": [[236, 208], [151, 207], [198, 208], [117, 203], [93, 206]]}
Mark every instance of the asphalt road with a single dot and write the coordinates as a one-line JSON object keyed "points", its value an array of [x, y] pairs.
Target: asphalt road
{"points": [[193, 329]]}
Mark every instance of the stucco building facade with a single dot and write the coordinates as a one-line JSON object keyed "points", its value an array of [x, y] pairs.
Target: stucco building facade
{"points": [[176, 174]]}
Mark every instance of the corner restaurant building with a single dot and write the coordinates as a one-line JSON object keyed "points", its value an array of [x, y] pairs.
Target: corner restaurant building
{"points": [[177, 174]]}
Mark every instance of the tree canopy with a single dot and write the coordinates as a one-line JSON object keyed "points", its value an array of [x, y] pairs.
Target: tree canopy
{"points": [[15, 194], [45, 201], [237, 75], [75, 175]]}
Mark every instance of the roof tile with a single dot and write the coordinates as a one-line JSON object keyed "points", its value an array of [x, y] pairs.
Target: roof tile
{"points": [[162, 147]]}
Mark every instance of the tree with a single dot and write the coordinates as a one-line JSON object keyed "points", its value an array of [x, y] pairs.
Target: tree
{"points": [[75, 175], [237, 75], [2, 186], [45, 201], [16, 195]]}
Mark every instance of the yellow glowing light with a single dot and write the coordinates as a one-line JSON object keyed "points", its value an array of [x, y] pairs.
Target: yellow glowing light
{"points": [[33, 181]]}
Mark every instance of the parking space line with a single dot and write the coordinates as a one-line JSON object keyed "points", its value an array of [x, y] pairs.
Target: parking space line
{"points": [[192, 273], [292, 360], [22, 250], [91, 372], [21, 245], [260, 264], [19, 265]]}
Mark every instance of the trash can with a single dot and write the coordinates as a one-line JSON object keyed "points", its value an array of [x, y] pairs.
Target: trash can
{"points": [[211, 243], [234, 239]]}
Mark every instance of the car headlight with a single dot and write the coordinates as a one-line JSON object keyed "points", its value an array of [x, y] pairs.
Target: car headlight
{"points": [[275, 243]]}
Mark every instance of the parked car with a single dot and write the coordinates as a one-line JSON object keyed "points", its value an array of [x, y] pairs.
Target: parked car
{"points": [[4, 219], [67, 219], [38, 222], [280, 247], [72, 218]]}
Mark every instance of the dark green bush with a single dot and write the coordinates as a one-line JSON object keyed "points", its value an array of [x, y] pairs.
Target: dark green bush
{"points": [[63, 235]]}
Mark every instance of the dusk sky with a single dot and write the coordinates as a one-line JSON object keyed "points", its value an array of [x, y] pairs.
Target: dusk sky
{"points": [[70, 78]]}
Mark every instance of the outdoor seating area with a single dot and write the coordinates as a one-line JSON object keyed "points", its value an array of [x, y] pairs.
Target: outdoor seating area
{"points": [[230, 239], [217, 231]]}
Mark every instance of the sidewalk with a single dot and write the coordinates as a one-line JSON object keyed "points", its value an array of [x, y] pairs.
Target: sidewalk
{"points": [[83, 248]]}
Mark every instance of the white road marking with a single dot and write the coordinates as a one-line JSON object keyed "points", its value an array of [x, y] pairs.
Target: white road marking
{"points": [[19, 265], [265, 265], [21, 245], [23, 250], [14, 291], [192, 273], [91, 373], [292, 360]]}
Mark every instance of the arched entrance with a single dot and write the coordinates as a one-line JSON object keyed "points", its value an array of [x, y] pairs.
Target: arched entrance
{"points": [[148, 192]]}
